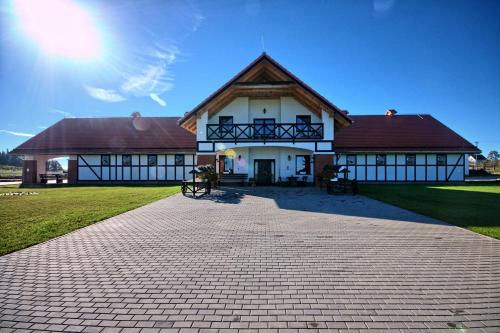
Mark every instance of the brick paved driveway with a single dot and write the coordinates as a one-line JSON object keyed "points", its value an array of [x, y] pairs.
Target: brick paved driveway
{"points": [[285, 259]]}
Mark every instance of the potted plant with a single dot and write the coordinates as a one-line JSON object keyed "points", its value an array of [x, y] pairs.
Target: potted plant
{"points": [[208, 174]]}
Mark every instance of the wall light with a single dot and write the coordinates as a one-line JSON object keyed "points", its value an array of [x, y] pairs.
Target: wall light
{"points": [[289, 157], [239, 157], [264, 111]]}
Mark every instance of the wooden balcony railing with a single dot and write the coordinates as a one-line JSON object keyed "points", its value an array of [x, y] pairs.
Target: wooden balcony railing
{"points": [[263, 132]]}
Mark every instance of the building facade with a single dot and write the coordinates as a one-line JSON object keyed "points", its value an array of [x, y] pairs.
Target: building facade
{"points": [[264, 125]]}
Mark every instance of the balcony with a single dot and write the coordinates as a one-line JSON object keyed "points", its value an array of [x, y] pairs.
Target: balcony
{"points": [[265, 132]]}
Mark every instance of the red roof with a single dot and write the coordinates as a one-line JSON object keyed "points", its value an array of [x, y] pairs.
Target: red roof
{"points": [[100, 135], [163, 134], [399, 133]]}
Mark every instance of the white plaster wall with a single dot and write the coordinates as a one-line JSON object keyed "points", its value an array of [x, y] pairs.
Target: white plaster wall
{"points": [[238, 109], [201, 127], [290, 108], [257, 106], [283, 166], [166, 170], [368, 171]]}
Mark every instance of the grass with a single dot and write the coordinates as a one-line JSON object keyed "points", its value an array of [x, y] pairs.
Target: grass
{"points": [[7, 171], [475, 207], [31, 219]]}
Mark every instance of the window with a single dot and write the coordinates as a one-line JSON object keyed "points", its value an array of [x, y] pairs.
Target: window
{"points": [[228, 164], [225, 125], [126, 160], [410, 159], [351, 159], [152, 160], [179, 159], [381, 159], [264, 128], [441, 159], [105, 160], [303, 164]]}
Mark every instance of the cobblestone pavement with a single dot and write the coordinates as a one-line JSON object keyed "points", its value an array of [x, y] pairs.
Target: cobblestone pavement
{"points": [[249, 259]]}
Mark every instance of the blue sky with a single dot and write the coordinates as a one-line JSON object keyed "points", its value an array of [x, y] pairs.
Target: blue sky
{"points": [[162, 58]]}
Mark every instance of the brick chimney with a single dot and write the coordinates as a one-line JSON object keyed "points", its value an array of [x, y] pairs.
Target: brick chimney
{"points": [[390, 112]]}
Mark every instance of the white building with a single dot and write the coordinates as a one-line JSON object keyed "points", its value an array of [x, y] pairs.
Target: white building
{"points": [[264, 124]]}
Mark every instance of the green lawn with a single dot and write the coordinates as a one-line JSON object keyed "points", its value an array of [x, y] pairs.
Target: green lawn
{"points": [[475, 207], [54, 211]]}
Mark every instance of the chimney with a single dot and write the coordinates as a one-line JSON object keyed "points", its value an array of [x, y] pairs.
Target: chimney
{"points": [[390, 112], [135, 114]]}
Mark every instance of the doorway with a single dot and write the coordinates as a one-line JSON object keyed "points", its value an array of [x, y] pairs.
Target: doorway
{"points": [[264, 172]]}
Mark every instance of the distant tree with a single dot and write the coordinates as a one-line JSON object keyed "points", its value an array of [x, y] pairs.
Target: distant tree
{"points": [[54, 166], [493, 155], [8, 159]]}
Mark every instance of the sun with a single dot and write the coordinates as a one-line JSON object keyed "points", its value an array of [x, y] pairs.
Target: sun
{"points": [[59, 28]]}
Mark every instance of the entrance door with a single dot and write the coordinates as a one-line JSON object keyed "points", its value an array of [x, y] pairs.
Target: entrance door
{"points": [[264, 172]]}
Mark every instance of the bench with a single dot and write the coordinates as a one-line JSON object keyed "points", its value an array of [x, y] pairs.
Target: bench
{"points": [[44, 178]]}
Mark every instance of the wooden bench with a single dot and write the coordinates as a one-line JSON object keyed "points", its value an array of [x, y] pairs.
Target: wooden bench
{"points": [[44, 178]]}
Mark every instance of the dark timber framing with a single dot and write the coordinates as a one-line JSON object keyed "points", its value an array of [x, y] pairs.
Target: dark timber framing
{"points": [[150, 170], [448, 169]]}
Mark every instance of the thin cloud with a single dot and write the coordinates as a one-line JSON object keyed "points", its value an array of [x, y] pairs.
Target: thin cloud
{"points": [[158, 99], [42, 127], [63, 113], [106, 95], [17, 133], [154, 79]]}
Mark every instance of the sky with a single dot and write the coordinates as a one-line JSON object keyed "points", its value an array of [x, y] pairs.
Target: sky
{"points": [[72, 58]]}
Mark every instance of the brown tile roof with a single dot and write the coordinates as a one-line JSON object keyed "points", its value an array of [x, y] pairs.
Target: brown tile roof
{"points": [[100, 135], [163, 134], [399, 133]]}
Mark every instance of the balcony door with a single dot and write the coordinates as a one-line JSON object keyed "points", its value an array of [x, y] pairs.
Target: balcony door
{"points": [[264, 128]]}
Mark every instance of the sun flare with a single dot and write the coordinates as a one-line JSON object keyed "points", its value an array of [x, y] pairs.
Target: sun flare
{"points": [[60, 28]]}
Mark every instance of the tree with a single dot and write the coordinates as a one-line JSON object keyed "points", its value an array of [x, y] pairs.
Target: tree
{"points": [[493, 155], [8, 159], [54, 166]]}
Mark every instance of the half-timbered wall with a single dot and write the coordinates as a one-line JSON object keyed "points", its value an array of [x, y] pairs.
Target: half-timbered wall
{"points": [[364, 167], [168, 167]]}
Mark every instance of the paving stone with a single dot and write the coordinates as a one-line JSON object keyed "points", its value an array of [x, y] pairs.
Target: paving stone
{"points": [[256, 260]]}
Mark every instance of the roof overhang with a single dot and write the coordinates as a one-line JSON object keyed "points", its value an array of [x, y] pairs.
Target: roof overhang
{"points": [[264, 78]]}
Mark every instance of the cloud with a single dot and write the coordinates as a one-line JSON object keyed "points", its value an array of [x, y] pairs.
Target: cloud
{"points": [[42, 127], [106, 95], [383, 6], [63, 113], [17, 133], [153, 79], [158, 99]]}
